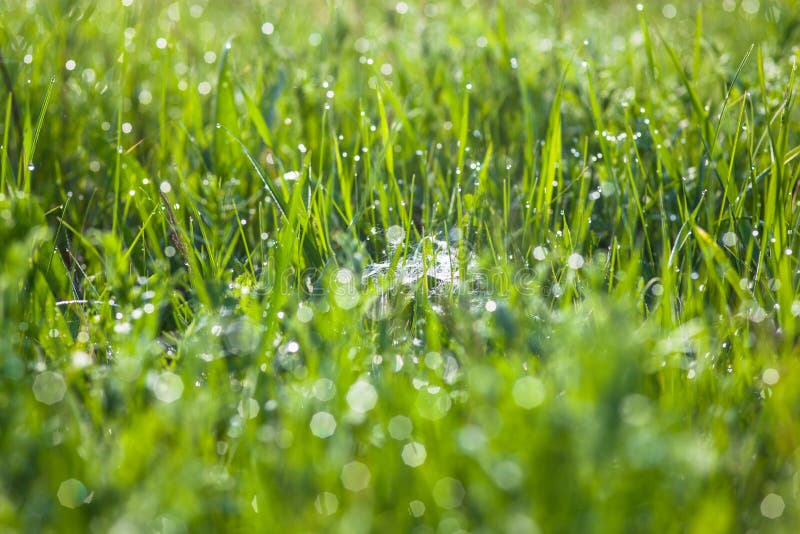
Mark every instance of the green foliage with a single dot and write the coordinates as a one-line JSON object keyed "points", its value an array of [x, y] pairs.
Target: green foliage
{"points": [[516, 266]]}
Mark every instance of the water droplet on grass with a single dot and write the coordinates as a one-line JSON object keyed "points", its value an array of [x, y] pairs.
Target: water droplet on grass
{"points": [[770, 376], [575, 261], [324, 389], [471, 439], [750, 7], [81, 359], [395, 235], [304, 313], [507, 474], [362, 397], [432, 405], [772, 506], [323, 425], [72, 493], [355, 476], [448, 493], [345, 292], [122, 328], [254, 503], [657, 289], [636, 410], [729, 239], [49, 388], [417, 508], [528, 392], [757, 314], [414, 454], [168, 387], [248, 408], [400, 427], [433, 360], [326, 503]]}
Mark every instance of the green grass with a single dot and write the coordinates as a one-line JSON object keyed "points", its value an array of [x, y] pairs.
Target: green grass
{"points": [[216, 223]]}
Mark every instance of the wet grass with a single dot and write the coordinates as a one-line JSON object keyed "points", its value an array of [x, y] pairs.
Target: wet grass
{"points": [[432, 267]]}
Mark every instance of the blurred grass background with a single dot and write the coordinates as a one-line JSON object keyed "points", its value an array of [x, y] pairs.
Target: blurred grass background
{"points": [[194, 198]]}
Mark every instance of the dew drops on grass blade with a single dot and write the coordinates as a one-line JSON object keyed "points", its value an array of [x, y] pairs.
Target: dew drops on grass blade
{"points": [[398, 265], [30, 150]]}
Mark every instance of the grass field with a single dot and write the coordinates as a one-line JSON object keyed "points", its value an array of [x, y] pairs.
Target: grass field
{"points": [[477, 266]]}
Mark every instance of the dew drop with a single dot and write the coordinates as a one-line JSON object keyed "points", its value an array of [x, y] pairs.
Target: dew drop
{"points": [[362, 397], [528, 392], [49, 388], [168, 387], [323, 425], [414, 454], [326, 503], [355, 476], [395, 235], [72, 493], [772, 506]]}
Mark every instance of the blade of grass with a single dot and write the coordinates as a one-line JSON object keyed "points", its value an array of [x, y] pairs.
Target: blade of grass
{"points": [[30, 152], [311, 251]]}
